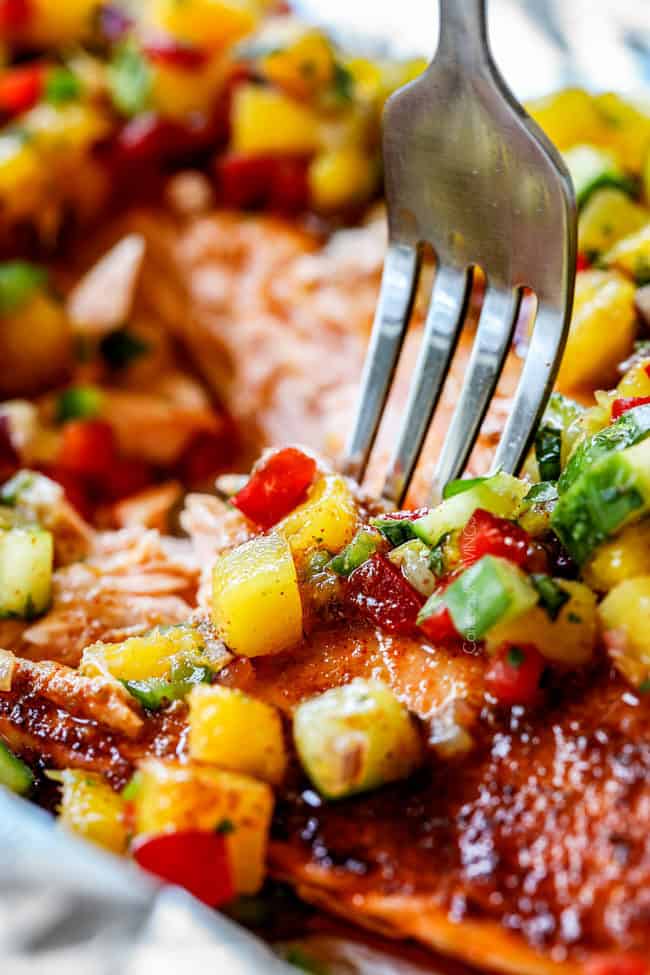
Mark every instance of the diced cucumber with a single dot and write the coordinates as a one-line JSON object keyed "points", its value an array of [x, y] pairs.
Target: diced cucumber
{"points": [[414, 559], [491, 591], [632, 427], [500, 494], [26, 557], [14, 773], [354, 738], [610, 493], [364, 544], [395, 530], [592, 168]]}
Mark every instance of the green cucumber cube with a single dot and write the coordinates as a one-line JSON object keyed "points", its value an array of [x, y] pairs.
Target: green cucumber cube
{"points": [[26, 558], [500, 494], [491, 591]]}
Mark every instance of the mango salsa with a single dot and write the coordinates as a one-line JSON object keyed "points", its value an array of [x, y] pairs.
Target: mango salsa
{"points": [[327, 519], [233, 731], [173, 797], [625, 618], [205, 23], [341, 177], [256, 606], [631, 255], [624, 557], [268, 121], [150, 655]]}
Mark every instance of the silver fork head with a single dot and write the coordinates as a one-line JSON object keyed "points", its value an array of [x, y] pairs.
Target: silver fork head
{"points": [[468, 172]]}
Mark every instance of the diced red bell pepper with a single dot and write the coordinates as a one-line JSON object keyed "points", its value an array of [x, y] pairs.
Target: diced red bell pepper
{"points": [[514, 674], [75, 488], [88, 448], [144, 139], [485, 534], [583, 262], [276, 487], [14, 15], [9, 458], [21, 88], [616, 964], [625, 403], [439, 626], [382, 594], [208, 454], [194, 859], [246, 181], [173, 53], [126, 476]]}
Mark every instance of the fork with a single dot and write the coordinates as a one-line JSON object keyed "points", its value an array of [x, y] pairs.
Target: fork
{"points": [[468, 173]]}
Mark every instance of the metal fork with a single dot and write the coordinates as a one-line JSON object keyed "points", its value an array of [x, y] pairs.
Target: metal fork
{"points": [[469, 173]]}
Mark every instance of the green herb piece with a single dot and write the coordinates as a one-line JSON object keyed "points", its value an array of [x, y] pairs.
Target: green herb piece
{"points": [[158, 692], [437, 559], [552, 596], [548, 451], [396, 530], [225, 827], [515, 657], [644, 687], [78, 403], [343, 83], [121, 347], [129, 81], [461, 485], [62, 86], [14, 773], [19, 281]]}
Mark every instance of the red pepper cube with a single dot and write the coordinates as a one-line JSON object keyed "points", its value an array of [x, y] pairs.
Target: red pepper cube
{"points": [[625, 403], [15, 15], [381, 593], [616, 964], [88, 448], [582, 262], [438, 625], [21, 88], [485, 534], [173, 53], [276, 487], [194, 859], [514, 674]]}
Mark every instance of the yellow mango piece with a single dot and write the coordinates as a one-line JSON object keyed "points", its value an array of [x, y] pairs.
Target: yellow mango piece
{"points": [[327, 519], [173, 797], [268, 121], [568, 117], [340, 178], [236, 732], [636, 381], [22, 175], [355, 738], [608, 216], [59, 130], [65, 22], [256, 606], [206, 23], [35, 346], [603, 329], [624, 557], [569, 639], [625, 616], [149, 655], [625, 129], [631, 255], [90, 808], [176, 92], [301, 68]]}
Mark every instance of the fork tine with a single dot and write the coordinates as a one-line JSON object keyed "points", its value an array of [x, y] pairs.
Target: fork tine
{"points": [[398, 286], [491, 344], [444, 321], [535, 384]]}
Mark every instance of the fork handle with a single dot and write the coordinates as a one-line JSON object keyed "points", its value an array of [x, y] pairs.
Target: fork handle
{"points": [[463, 31]]}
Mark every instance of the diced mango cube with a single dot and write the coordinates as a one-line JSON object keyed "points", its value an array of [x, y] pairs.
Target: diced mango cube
{"points": [[90, 808], [608, 216], [149, 655], [636, 381], [603, 328], [206, 23], [176, 92], [256, 606], [569, 639], [341, 177], [236, 732], [174, 797], [624, 557], [327, 519], [568, 117], [631, 255], [625, 129], [268, 121], [65, 22], [625, 619], [303, 67]]}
